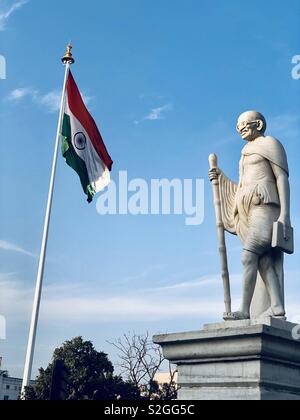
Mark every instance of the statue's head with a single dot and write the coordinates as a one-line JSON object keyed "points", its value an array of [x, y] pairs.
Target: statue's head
{"points": [[251, 125]]}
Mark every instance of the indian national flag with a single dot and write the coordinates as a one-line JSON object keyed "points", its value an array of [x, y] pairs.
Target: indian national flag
{"points": [[82, 144]]}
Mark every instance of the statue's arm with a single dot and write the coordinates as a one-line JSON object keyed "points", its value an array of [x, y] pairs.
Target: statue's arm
{"points": [[227, 194], [284, 192], [215, 174]]}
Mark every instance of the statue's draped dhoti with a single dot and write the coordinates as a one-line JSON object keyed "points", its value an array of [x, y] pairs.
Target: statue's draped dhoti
{"points": [[250, 212]]}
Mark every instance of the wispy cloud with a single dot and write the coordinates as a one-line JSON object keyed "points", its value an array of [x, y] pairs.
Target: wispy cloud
{"points": [[50, 101], [286, 126], [198, 283], [128, 309], [6, 14], [82, 305], [19, 94], [10, 247], [207, 282], [14, 291], [147, 272], [156, 114]]}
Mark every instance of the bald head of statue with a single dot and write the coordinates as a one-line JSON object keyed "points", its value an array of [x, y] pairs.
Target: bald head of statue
{"points": [[251, 125]]}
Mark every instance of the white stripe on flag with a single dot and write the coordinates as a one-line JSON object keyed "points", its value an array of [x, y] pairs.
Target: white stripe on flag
{"points": [[98, 173]]}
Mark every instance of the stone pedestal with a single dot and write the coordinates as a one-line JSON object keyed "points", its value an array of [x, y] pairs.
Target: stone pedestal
{"points": [[241, 360]]}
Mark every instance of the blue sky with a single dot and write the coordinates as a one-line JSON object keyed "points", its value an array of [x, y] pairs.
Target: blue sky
{"points": [[165, 80]]}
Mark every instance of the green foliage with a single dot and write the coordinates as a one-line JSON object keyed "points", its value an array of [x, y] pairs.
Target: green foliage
{"points": [[91, 375]]}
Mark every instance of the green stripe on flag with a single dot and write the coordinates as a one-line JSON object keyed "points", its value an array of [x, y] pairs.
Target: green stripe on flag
{"points": [[73, 160]]}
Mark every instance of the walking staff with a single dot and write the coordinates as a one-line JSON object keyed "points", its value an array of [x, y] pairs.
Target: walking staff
{"points": [[213, 162]]}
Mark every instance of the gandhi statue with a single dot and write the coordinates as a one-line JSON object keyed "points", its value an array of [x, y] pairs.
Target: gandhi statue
{"points": [[249, 210]]}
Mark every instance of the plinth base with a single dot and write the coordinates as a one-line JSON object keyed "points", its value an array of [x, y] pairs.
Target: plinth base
{"points": [[240, 360]]}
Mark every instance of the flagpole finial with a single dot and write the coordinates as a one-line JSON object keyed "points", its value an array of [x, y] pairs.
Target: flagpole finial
{"points": [[68, 58]]}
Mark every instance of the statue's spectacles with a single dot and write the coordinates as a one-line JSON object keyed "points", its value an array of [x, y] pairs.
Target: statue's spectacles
{"points": [[241, 126]]}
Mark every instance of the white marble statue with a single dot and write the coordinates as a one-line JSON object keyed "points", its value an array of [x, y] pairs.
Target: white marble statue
{"points": [[250, 209]]}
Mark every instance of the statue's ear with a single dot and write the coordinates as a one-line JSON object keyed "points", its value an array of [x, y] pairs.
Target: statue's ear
{"points": [[260, 125]]}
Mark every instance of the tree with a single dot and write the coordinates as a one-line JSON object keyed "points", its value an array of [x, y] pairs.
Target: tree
{"points": [[140, 362], [91, 375]]}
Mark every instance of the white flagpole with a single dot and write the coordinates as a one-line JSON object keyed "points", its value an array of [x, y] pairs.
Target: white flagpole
{"points": [[67, 60]]}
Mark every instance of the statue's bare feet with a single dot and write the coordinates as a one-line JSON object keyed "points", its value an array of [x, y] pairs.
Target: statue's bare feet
{"points": [[240, 316], [278, 313]]}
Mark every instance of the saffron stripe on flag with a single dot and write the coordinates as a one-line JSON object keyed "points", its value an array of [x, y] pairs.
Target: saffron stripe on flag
{"points": [[79, 110]]}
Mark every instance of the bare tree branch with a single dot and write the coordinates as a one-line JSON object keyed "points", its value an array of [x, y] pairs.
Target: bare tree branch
{"points": [[141, 361]]}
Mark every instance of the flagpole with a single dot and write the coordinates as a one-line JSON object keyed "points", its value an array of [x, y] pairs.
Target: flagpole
{"points": [[67, 61]]}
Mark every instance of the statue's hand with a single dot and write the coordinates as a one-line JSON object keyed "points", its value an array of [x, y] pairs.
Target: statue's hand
{"points": [[286, 222], [214, 174]]}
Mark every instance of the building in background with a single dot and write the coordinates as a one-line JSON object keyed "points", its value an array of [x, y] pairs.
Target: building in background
{"points": [[163, 378], [10, 388]]}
